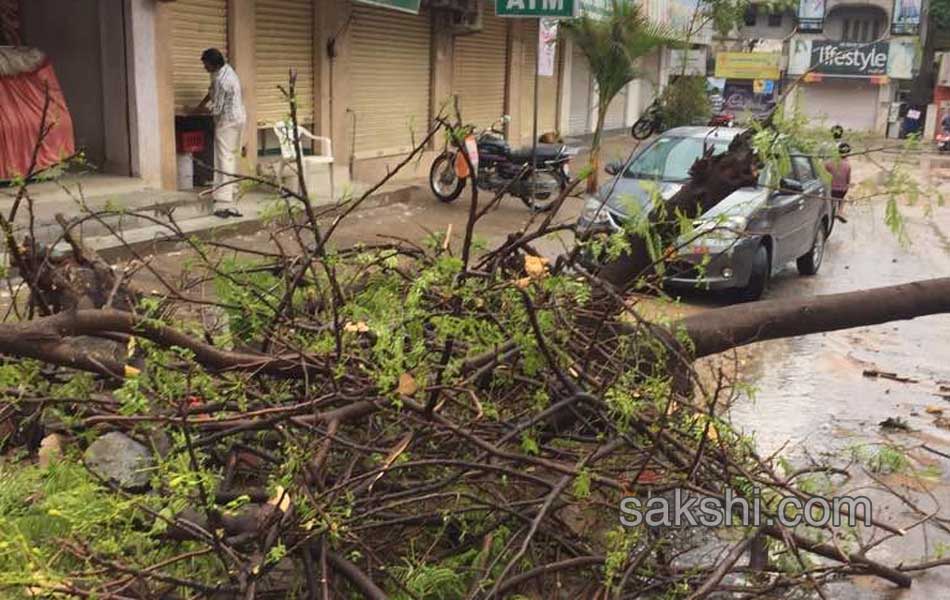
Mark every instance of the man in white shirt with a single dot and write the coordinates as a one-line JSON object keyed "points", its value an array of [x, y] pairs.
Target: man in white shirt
{"points": [[227, 107]]}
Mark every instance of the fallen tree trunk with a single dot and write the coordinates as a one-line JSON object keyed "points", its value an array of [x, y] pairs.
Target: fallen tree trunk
{"points": [[722, 329], [711, 331]]}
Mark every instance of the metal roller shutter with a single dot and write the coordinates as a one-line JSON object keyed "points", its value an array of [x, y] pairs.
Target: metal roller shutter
{"points": [[390, 73], [616, 111], [579, 122], [851, 103], [196, 25], [478, 77], [284, 42], [547, 88]]}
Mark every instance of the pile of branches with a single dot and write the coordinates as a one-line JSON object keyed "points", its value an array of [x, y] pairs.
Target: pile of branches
{"points": [[395, 420]]}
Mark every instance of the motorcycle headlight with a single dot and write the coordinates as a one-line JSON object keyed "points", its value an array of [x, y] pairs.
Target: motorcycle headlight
{"points": [[595, 212]]}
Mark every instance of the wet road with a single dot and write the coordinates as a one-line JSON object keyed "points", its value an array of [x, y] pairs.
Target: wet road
{"points": [[813, 398]]}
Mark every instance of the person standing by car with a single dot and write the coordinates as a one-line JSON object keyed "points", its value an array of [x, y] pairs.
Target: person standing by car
{"points": [[840, 170], [226, 105]]}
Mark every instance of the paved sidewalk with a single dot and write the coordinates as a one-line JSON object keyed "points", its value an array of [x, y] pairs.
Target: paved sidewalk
{"points": [[194, 214]]}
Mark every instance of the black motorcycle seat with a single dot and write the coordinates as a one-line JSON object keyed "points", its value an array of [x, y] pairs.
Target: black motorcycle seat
{"points": [[545, 152]]}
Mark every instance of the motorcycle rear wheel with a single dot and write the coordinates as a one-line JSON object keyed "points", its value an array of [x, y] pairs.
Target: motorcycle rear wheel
{"points": [[642, 129], [443, 180]]}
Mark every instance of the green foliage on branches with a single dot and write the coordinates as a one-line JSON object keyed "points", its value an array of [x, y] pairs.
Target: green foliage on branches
{"points": [[685, 102]]}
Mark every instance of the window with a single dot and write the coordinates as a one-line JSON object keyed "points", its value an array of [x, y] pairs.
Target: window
{"points": [[775, 19], [750, 14], [860, 30], [802, 169], [670, 158]]}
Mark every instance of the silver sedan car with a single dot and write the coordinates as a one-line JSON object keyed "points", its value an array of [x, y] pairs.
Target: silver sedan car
{"points": [[739, 243]]}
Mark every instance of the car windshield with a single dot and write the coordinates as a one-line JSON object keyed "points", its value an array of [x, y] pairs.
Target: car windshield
{"points": [[669, 158]]}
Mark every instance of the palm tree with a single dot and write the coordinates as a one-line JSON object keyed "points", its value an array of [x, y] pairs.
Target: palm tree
{"points": [[611, 44]]}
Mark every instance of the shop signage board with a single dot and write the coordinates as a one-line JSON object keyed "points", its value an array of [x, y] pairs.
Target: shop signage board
{"points": [[534, 8], [409, 6], [880, 60], [547, 47], [848, 59], [901, 58], [811, 15], [748, 65], [905, 18], [695, 61]]}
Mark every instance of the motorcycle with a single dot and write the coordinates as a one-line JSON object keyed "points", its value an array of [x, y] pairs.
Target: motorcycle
{"points": [[943, 141], [498, 167], [651, 122]]}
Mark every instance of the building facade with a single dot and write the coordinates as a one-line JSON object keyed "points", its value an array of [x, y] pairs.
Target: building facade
{"points": [[853, 59], [370, 75]]}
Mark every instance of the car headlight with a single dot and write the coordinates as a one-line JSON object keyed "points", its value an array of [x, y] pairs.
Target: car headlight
{"points": [[718, 233], [595, 211]]}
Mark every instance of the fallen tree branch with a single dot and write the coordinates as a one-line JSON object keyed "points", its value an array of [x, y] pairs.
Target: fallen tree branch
{"points": [[722, 329]]}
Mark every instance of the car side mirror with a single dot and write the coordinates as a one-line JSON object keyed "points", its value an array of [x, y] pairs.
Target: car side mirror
{"points": [[788, 186], [612, 168]]}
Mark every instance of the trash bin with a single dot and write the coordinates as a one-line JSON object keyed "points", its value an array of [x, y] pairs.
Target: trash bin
{"points": [[186, 171]]}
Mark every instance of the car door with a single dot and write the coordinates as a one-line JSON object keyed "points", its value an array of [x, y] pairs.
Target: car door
{"points": [[810, 204], [785, 213]]}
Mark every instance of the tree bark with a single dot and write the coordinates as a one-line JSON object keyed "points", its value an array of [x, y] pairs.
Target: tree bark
{"points": [[712, 331], [48, 339], [721, 329]]}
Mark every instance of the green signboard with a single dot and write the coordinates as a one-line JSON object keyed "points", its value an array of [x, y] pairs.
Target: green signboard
{"points": [[409, 6], [534, 8]]}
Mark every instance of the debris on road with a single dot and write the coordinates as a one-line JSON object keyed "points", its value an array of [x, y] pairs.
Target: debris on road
{"points": [[894, 424], [874, 373]]}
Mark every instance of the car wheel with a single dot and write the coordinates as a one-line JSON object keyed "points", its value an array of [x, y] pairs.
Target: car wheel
{"points": [[811, 262], [758, 276]]}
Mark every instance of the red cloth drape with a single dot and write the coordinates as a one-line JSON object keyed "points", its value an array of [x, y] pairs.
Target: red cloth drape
{"points": [[21, 112]]}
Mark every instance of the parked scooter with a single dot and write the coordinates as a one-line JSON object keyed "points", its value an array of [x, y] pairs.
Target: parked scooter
{"points": [[498, 167], [943, 141], [651, 122]]}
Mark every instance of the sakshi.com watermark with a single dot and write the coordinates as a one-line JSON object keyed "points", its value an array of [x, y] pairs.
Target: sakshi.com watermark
{"points": [[683, 508]]}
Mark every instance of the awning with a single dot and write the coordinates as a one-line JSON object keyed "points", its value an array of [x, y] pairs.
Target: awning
{"points": [[409, 6]]}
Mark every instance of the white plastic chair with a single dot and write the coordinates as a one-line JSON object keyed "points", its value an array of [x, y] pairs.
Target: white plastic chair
{"points": [[288, 156]]}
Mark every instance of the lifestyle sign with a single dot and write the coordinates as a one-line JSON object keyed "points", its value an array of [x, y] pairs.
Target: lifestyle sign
{"points": [[849, 59]]}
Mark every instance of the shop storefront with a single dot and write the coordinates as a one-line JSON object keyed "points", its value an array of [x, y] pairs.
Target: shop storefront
{"points": [[748, 82], [85, 43], [579, 120], [480, 63], [849, 83], [390, 74], [283, 41]]}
